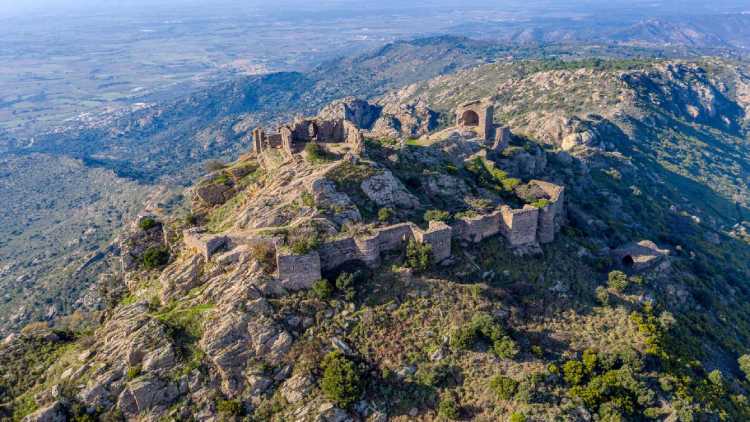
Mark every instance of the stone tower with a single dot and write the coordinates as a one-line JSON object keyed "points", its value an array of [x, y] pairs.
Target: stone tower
{"points": [[476, 116]]}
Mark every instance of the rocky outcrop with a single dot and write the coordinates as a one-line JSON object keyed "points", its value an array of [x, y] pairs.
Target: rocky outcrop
{"points": [[387, 191]]}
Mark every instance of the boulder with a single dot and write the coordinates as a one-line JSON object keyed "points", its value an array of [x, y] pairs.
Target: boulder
{"points": [[386, 190], [52, 413]]}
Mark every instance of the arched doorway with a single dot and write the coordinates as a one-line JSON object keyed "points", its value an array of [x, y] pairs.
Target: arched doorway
{"points": [[627, 261], [470, 118], [312, 130]]}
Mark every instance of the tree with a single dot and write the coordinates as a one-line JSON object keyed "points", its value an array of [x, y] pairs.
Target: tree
{"points": [[617, 280], [744, 362], [573, 372], [155, 256], [504, 387], [418, 256], [341, 381]]}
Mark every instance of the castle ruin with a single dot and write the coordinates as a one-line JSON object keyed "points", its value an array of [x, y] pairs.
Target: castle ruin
{"points": [[526, 227]]}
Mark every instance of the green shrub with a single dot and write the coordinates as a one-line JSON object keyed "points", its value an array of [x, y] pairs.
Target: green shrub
{"points": [[602, 295], [517, 417], [341, 380], [540, 203], [590, 360], [505, 348], [418, 256], [484, 326], [448, 408], [322, 288], [436, 215], [573, 372], [345, 283], [503, 387], [214, 165], [307, 199], [617, 280], [385, 214], [304, 245], [133, 372], [147, 223], [155, 257], [537, 351], [314, 153], [229, 407], [744, 362]]}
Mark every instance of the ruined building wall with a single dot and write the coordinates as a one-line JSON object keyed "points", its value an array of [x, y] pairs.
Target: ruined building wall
{"points": [[475, 229], [520, 226], [438, 235], [296, 272], [483, 112]]}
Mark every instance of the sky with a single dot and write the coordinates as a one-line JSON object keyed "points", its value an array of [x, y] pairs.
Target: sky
{"points": [[27, 8]]}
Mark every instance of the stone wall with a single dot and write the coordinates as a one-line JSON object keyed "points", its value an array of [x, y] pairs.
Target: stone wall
{"points": [[476, 116], [475, 229], [519, 226], [292, 138], [206, 244], [439, 236], [296, 272]]}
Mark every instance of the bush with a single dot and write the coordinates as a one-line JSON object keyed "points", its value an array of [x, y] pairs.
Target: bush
{"points": [[341, 381], [229, 407], [155, 257], [602, 295], [484, 326], [304, 245], [448, 407], [322, 289], [590, 360], [573, 372], [147, 223], [314, 153], [744, 362], [214, 165], [436, 215], [345, 283], [540, 203], [418, 256], [385, 214], [133, 372], [617, 280], [517, 417], [504, 387]]}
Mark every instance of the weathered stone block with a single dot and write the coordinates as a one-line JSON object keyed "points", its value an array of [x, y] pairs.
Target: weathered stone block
{"points": [[204, 243]]}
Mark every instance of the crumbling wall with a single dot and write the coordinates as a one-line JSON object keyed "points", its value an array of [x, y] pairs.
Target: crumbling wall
{"points": [[206, 244], [520, 226], [476, 116], [552, 216], [338, 252], [296, 272], [393, 237], [474, 229], [438, 235]]}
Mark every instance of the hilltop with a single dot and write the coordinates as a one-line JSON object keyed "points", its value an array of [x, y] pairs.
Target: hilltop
{"points": [[516, 241]]}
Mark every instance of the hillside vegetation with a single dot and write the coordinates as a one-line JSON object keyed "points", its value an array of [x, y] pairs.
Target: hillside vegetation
{"points": [[647, 150]]}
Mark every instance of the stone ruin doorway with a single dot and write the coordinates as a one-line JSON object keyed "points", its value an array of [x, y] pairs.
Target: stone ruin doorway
{"points": [[628, 261], [470, 118], [312, 130]]}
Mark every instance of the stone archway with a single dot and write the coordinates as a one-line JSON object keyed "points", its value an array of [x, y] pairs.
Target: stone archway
{"points": [[628, 261], [469, 118], [312, 130]]}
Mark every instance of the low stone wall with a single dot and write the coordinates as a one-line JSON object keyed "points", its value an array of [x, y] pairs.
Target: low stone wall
{"points": [[206, 244], [296, 272], [475, 229]]}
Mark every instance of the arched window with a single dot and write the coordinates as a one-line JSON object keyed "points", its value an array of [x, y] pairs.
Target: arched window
{"points": [[470, 118]]}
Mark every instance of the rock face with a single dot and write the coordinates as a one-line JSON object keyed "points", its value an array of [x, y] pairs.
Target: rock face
{"points": [[138, 241], [387, 191], [52, 413], [337, 204]]}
